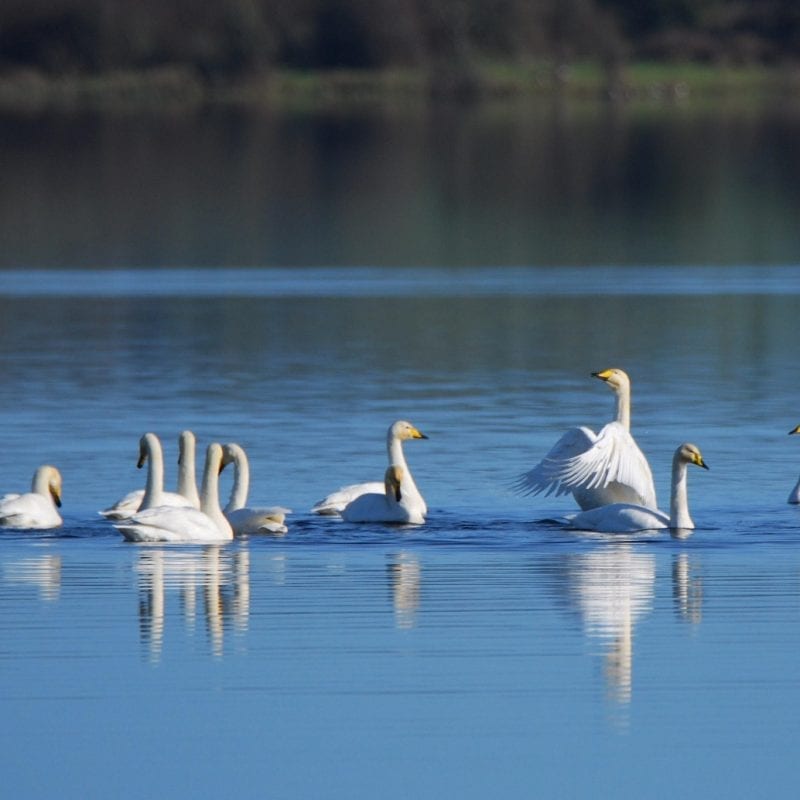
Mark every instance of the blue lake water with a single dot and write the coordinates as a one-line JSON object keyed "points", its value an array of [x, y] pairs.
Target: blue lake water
{"points": [[487, 652]]}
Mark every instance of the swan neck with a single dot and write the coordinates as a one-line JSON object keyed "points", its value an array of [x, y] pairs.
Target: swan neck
{"points": [[241, 482], [394, 447], [409, 490], [209, 500], [624, 407], [679, 497], [154, 488], [40, 483], [187, 479]]}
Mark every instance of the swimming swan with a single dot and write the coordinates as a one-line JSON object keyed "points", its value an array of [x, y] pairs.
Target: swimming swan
{"points": [[187, 484], [162, 523], [35, 509], [598, 469], [628, 518], [794, 495], [389, 505], [246, 520], [398, 433]]}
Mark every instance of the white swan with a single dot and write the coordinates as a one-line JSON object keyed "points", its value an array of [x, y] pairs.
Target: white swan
{"points": [[794, 495], [162, 523], [398, 433], [186, 495], [628, 518], [35, 509], [598, 469], [389, 505], [247, 520]]}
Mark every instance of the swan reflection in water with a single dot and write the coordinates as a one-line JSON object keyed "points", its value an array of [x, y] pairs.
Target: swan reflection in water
{"points": [[687, 589], [43, 572], [610, 588], [404, 578], [220, 577], [614, 589]]}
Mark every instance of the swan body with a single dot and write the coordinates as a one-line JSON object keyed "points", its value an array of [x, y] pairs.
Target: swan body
{"points": [[629, 517], [389, 505], [156, 522], [186, 495], [333, 504], [794, 495], [597, 468], [243, 519], [37, 509], [398, 433]]}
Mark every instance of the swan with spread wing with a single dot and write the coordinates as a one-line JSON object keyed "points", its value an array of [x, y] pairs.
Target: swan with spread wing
{"points": [[597, 468]]}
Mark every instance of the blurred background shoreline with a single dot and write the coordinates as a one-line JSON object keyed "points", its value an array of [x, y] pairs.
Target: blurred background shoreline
{"points": [[117, 54]]}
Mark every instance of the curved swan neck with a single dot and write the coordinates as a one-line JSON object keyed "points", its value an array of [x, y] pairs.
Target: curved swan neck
{"points": [[209, 500], [679, 496], [187, 479], [153, 492], [241, 479]]}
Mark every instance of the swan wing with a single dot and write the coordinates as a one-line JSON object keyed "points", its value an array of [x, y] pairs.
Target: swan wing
{"points": [[127, 506], [549, 475], [376, 507], [335, 502], [613, 469], [171, 524]]}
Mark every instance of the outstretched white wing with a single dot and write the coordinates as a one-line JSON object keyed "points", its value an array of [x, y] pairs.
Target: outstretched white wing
{"points": [[598, 469], [548, 475]]}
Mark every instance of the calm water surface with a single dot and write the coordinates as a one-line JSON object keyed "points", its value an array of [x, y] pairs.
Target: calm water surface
{"points": [[487, 652]]}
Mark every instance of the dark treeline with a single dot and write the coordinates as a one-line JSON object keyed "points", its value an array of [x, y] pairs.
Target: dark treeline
{"points": [[227, 39]]}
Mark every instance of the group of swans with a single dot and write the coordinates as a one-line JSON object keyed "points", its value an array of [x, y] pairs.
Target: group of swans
{"points": [[608, 475], [606, 472], [187, 516]]}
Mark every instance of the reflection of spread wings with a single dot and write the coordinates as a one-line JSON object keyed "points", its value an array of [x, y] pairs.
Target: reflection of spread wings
{"points": [[599, 468]]}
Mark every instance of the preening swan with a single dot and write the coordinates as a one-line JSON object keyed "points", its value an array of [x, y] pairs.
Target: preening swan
{"points": [[390, 505], [398, 433], [246, 520], [628, 518], [607, 467], [162, 523], [37, 508], [794, 495], [187, 483]]}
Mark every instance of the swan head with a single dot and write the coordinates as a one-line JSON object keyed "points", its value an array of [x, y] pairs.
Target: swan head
{"points": [[47, 480], [616, 378], [149, 443], [794, 430], [690, 454], [392, 479], [215, 458], [231, 452], [186, 445], [404, 430]]}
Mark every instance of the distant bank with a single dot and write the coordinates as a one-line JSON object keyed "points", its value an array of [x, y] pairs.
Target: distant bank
{"points": [[177, 88]]}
